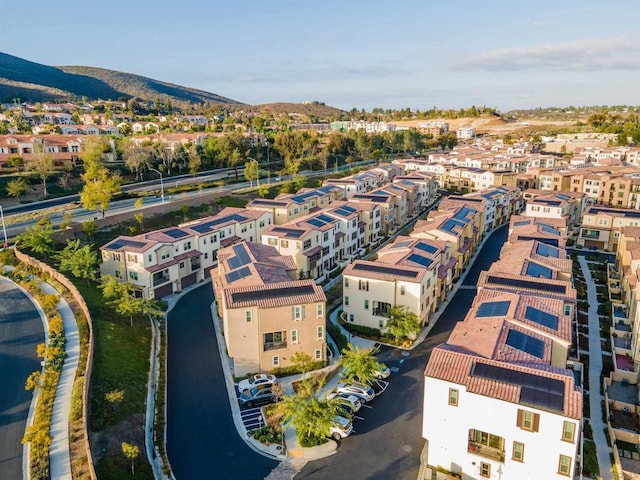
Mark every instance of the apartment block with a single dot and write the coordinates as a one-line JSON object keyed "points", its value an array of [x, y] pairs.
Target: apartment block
{"points": [[601, 226]]}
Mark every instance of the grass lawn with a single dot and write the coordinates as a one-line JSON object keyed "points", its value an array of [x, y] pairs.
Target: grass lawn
{"points": [[120, 361]]}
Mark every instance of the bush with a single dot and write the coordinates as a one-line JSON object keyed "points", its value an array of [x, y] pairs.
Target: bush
{"points": [[307, 442], [362, 330], [590, 462], [268, 434], [338, 337], [7, 257], [295, 369]]}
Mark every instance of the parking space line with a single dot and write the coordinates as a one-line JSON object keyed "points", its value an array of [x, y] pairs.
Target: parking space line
{"points": [[359, 418], [366, 406]]}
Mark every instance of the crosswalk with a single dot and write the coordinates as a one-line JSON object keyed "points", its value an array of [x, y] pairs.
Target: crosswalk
{"points": [[252, 418]]}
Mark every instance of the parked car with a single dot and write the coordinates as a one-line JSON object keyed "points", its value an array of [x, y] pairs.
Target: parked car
{"points": [[257, 396], [346, 399], [364, 392], [341, 428], [255, 380], [378, 386], [384, 371]]}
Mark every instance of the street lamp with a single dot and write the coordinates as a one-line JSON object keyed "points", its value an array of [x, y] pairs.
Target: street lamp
{"points": [[161, 183], [4, 228]]}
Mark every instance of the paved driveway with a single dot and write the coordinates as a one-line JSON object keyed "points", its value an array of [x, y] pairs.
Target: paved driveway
{"points": [[202, 439], [388, 442], [21, 330]]}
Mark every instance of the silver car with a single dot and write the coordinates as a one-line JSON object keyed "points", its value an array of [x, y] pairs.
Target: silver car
{"points": [[364, 392]]}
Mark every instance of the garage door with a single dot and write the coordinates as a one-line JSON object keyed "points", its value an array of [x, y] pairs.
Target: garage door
{"points": [[189, 280], [163, 291]]}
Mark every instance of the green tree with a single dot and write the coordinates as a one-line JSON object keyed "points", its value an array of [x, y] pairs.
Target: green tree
{"points": [[95, 149], [402, 324], [135, 156], [16, 161], [195, 160], [38, 238], [252, 171], [100, 186], [90, 228], [17, 187], [447, 140], [263, 190], [42, 164], [79, 261], [131, 452], [302, 361], [359, 364]]}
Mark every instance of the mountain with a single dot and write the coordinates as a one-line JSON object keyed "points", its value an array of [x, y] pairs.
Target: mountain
{"points": [[32, 81]]}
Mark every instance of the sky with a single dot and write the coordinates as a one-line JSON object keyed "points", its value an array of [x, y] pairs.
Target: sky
{"points": [[507, 54]]}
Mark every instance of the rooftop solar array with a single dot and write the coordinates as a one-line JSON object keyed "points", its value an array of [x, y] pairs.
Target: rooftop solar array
{"points": [[538, 271], [521, 223], [425, 247], [452, 223], [261, 201], [373, 198], [626, 213], [368, 267], [535, 390], [493, 309], [237, 274], [464, 211], [519, 283], [325, 218], [420, 260], [256, 295], [176, 233], [344, 211], [562, 196], [548, 229], [241, 258], [549, 241], [547, 251], [553, 203], [207, 226], [288, 232], [526, 343], [541, 318], [126, 243], [315, 222]]}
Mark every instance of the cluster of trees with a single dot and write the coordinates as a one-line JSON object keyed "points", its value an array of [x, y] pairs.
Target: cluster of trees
{"points": [[626, 127], [127, 300]]}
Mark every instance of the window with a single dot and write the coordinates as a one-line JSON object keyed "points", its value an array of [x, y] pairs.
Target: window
{"points": [[186, 246], [453, 397], [181, 264], [518, 452], [318, 355], [133, 275], [297, 312], [567, 310], [276, 360], [402, 290], [273, 241], [351, 317], [485, 470], [131, 258], [366, 304], [306, 244], [247, 316], [564, 465], [284, 243], [346, 301], [320, 333], [150, 258], [206, 255], [568, 432], [528, 420], [381, 323], [346, 283], [294, 336], [319, 310], [363, 285]]}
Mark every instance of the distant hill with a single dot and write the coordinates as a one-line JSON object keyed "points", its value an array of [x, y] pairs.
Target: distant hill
{"points": [[36, 82], [305, 111]]}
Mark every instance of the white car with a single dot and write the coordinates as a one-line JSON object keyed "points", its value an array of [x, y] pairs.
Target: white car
{"points": [[351, 400], [255, 380], [384, 371], [341, 428], [364, 392]]}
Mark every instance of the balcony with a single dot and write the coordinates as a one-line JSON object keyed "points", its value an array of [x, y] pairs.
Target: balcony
{"points": [[590, 234], [485, 451], [274, 346], [162, 277]]}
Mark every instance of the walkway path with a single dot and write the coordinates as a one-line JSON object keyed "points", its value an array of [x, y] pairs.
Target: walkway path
{"points": [[60, 463], [595, 368]]}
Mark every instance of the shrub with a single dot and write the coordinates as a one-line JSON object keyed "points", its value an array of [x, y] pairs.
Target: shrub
{"points": [[268, 434], [338, 337], [294, 369], [362, 330]]}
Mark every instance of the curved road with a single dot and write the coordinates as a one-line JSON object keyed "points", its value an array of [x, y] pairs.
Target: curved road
{"points": [[21, 330], [202, 441], [388, 442]]}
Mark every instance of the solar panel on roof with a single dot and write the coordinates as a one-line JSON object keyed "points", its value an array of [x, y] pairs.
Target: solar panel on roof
{"points": [[518, 283], [289, 232], [126, 243], [541, 318], [176, 233], [206, 226], [493, 309], [325, 218], [256, 295], [425, 247], [535, 390], [538, 271], [343, 212], [548, 229], [548, 241], [626, 213], [420, 260], [522, 222], [240, 259], [368, 267], [562, 196], [315, 222], [526, 343], [237, 274], [547, 251]]}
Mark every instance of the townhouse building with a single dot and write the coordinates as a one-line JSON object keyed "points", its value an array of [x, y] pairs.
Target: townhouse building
{"points": [[405, 274], [425, 183], [268, 316], [601, 226], [556, 205], [551, 231], [393, 205], [166, 261], [465, 133], [65, 149]]}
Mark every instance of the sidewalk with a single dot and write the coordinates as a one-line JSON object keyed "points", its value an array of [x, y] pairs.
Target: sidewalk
{"points": [[603, 451]]}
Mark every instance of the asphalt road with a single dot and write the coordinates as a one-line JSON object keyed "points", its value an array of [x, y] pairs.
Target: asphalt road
{"points": [[201, 436], [21, 330], [387, 442]]}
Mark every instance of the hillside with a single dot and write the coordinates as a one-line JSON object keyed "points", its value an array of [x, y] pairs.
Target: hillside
{"points": [[492, 125], [36, 82], [306, 112]]}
